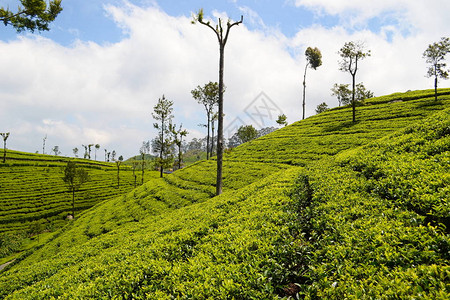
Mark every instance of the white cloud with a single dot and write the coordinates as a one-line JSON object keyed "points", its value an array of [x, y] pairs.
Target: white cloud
{"points": [[91, 93]]}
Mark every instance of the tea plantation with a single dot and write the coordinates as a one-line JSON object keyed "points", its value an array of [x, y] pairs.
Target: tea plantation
{"points": [[321, 209], [35, 199]]}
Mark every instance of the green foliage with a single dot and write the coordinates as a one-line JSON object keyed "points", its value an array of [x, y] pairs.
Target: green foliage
{"points": [[282, 120], [32, 189], [246, 133], [218, 249], [351, 53], [32, 15], [208, 96], [321, 108], [378, 217], [352, 223], [163, 113], [74, 176], [313, 57], [435, 56]]}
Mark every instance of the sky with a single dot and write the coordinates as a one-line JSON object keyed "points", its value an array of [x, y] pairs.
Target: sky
{"points": [[95, 77]]}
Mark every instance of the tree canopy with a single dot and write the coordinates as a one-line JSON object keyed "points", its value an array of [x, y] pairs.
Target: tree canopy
{"points": [[31, 15], [247, 133], [208, 96], [435, 56], [344, 94]]}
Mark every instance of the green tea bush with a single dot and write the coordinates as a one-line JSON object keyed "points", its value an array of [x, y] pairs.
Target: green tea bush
{"points": [[351, 223], [378, 229]]}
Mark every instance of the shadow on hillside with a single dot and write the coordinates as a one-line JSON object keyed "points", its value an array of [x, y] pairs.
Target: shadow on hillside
{"points": [[430, 103], [341, 126]]}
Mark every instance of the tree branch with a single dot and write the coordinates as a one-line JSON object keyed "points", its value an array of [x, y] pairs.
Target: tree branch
{"points": [[212, 28], [229, 27]]}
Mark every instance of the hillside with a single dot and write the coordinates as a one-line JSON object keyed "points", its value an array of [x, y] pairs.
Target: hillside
{"points": [[305, 210], [35, 199]]}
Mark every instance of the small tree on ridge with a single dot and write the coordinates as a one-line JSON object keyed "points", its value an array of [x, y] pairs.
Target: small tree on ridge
{"points": [[351, 54], [313, 61], [208, 96], [163, 113], [435, 56], [74, 177], [5, 137]]}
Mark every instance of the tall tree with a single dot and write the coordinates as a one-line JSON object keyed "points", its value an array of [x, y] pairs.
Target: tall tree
{"points": [[74, 177], [213, 123], [145, 149], [5, 136], [118, 163], [56, 150], [43, 144], [163, 113], [351, 54], [134, 165], [97, 146], [90, 149], [208, 96], [222, 37], [32, 15], [313, 61], [86, 153], [435, 56], [75, 151], [178, 135]]}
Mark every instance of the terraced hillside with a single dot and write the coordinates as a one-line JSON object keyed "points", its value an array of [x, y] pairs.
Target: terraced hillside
{"points": [[304, 212], [33, 195]]}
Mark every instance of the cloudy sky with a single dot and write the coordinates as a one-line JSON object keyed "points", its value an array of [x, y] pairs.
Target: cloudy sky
{"points": [[95, 77]]}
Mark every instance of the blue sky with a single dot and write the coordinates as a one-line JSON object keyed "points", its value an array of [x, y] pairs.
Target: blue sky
{"points": [[88, 21], [95, 77]]}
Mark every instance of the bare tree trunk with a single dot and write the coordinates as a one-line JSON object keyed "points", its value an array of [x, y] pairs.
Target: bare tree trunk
{"points": [[161, 150], [207, 135], [73, 203], [118, 176], [219, 182], [353, 99], [435, 87], [143, 165], [304, 88], [222, 42], [4, 150], [212, 138]]}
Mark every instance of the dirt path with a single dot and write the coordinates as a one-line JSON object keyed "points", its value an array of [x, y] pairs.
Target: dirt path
{"points": [[6, 264]]}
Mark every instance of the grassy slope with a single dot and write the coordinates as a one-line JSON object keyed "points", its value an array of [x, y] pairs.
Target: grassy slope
{"points": [[378, 220], [156, 241], [33, 195]]}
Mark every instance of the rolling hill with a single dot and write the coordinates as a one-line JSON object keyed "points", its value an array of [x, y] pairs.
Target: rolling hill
{"points": [[323, 208], [35, 199]]}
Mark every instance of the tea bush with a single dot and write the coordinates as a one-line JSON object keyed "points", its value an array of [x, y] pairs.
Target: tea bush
{"points": [[380, 218], [349, 223]]}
